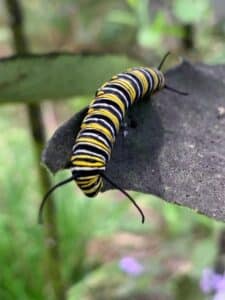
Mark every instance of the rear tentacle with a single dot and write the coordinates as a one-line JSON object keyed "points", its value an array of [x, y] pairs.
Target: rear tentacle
{"points": [[43, 202], [127, 195]]}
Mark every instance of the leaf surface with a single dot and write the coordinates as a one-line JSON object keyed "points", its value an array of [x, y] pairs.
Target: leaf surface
{"points": [[177, 150]]}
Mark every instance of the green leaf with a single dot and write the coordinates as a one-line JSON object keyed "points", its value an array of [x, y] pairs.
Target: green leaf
{"points": [[122, 17], [149, 38], [152, 34], [203, 255], [143, 13], [55, 76], [140, 11], [133, 4], [190, 11]]}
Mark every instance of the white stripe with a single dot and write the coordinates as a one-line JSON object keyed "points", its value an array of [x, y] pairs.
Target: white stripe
{"points": [[92, 119], [134, 81], [93, 145], [119, 92], [91, 153], [86, 169], [99, 105], [106, 139], [97, 137], [150, 80]]}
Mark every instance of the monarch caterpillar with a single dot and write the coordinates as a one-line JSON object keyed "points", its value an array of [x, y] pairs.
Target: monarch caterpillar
{"points": [[99, 128]]}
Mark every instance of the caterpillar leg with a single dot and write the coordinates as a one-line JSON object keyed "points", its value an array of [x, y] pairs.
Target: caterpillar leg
{"points": [[132, 122], [124, 128]]}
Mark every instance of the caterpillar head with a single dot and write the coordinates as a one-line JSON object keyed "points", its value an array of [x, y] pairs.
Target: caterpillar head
{"points": [[161, 80]]}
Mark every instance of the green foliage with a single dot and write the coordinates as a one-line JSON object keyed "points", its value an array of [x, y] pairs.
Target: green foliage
{"points": [[21, 243], [174, 236], [108, 282], [150, 30], [202, 255], [187, 289], [80, 220], [151, 35], [84, 219], [121, 17], [191, 11]]}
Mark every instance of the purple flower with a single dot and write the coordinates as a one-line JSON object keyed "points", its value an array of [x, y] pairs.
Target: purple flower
{"points": [[208, 281], [220, 283], [212, 282], [131, 266], [219, 296]]}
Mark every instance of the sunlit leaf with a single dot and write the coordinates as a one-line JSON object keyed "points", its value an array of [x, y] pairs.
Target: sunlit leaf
{"points": [[148, 37], [133, 4], [189, 11], [152, 34], [203, 255], [122, 17]]}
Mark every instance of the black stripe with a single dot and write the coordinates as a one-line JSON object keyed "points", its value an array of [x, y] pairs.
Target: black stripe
{"points": [[101, 134], [96, 135], [92, 148], [121, 89], [95, 138], [143, 70], [91, 160], [107, 120], [132, 83], [138, 80], [113, 112], [84, 173], [109, 102], [94, 193], [150, 84], [86, 188]]}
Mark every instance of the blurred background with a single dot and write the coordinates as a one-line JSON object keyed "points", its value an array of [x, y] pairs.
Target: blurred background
{"points": [[97, 248]]}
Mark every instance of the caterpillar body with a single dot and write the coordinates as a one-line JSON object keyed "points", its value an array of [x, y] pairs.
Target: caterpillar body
{"points": [[94, 142]]}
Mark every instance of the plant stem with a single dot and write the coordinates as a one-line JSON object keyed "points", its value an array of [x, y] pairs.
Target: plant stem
{"points": [[188, 38], [53, 271]]}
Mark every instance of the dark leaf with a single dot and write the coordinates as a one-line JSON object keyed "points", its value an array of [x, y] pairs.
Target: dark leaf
{"points": [[177, 149]]}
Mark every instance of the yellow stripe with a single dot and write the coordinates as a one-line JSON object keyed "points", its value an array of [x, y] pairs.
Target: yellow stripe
{"points": [[114, 98], [88, 164], [100, 128], [104, 84], [85, 181], [99, 93], [92, 102], [86, 177], [93, 141], [155, 78], [128, 86], [143, 79], [108, 114], [84, 156], [96, 188], [88, 183]]}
